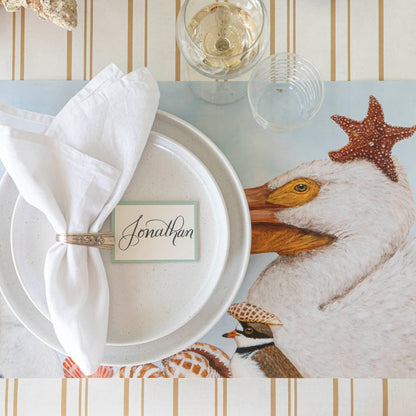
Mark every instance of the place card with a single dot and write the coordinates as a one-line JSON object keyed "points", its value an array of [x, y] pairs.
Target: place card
{"points": [[150, 232]]}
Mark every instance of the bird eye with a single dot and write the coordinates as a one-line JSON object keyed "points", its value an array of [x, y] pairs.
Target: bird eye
{"points": [[301, 187], [248, 331]]}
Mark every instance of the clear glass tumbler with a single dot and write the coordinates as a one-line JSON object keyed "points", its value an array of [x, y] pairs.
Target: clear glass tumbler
{"points": [[285, 91]]}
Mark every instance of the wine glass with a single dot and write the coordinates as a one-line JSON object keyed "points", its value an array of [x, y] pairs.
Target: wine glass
{"points": [[221, 41]]}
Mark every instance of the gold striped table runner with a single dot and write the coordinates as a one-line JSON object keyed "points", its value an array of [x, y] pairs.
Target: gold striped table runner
{"points": [[346, 39], [208, 397]]}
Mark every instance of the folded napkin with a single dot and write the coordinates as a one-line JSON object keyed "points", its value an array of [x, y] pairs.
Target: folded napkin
{"points": [[75, 173]]}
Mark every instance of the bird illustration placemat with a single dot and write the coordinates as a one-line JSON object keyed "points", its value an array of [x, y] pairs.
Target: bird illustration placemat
{"points": [[340, 275], [330, 288]]}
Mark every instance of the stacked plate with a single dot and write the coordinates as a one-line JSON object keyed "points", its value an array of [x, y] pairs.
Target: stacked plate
{"points": [[155, 309]]}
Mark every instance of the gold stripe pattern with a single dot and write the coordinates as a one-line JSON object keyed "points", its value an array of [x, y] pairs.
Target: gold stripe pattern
{"points": [[14, 398], [18, 47], [86, 398], [224, 397], [288, 26], [69, 55], [91, 33], [349, 38], [385, 397], [296, 397], [216, 397], [142, 397], [294, 26], [85, 39], [126, 396], [177, 52], [146, 13], [14, 47], [333, 40], [79, 397], [381, 39], [130, 37], [6, 398], [63, 396], [15, 395], [272, 397], [175, 397], [335, 399], [272, 27], [22, 43]]}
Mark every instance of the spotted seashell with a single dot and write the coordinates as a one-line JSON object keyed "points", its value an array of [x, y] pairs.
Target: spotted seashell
{"points": [[247, 312], [141, 371], [200, 360], [188, 364], [71, 370], [216, 357]]}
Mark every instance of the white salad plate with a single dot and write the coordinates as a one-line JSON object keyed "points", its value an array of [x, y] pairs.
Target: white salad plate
{"points": [[203, 316], [147, 300]]}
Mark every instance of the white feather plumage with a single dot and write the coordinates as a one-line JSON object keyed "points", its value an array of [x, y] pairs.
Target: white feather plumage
{"points": [[348, 309]]}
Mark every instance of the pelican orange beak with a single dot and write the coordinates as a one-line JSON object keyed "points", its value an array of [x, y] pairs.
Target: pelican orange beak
{"points": [[268, 233], [260, 209], [231, 334]]}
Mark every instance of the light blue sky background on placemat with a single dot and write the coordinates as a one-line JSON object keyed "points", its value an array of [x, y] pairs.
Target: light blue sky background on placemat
{"points": [[256, 154]]}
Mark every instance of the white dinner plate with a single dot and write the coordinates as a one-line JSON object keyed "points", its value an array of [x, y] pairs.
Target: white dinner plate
{"points": [[223, 293], [148, 300]]}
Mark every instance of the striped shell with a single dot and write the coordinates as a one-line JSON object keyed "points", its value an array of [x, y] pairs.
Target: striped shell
{"points": [[141, 371], [217, 358], [247, 312], [200, 360], [71, 370], [188, 364]]}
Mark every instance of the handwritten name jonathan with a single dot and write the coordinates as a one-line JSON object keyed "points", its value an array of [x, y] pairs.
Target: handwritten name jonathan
{"points": [[154, 228]]}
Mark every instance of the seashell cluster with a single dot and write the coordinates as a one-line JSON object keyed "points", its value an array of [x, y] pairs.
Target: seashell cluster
{"points": [[61, 12], [71, 370], [247, 312], [200, 360]]}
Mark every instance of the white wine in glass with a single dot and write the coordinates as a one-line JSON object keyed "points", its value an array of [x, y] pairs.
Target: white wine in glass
{"points": [[221, 41], [226, 33]]}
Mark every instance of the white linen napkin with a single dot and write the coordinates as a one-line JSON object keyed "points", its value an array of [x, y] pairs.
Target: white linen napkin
{"points": [[75, 173]]}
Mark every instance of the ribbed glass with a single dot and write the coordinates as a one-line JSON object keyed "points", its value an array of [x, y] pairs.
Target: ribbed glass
{"points": [[285, 91]]}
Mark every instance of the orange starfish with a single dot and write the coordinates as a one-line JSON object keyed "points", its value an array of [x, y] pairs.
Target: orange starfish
{"points": [[371, 139]]}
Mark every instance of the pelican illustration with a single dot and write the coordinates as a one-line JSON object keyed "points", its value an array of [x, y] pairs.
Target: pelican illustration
{"points": [[344, 283]]}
